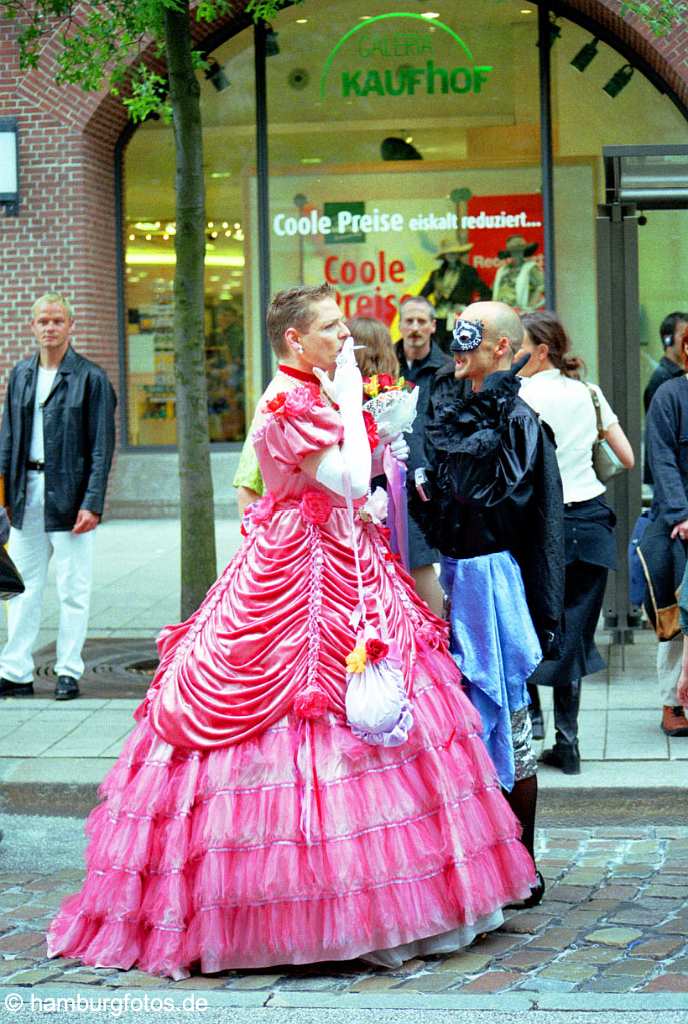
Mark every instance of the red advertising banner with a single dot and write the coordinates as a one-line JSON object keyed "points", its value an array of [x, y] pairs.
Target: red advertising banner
{"points": [[507, 246]]}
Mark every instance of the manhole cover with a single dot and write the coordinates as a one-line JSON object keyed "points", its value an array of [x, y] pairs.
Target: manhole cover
{"points": [[113, 667]]}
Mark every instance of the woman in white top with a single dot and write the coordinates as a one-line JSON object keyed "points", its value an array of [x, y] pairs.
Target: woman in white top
{"points": [[552, 388]]}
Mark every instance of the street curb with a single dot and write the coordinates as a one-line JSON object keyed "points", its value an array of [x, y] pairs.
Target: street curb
{"points": [[509, 1002]]}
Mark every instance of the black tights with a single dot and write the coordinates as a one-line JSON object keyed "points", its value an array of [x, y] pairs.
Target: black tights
{"points": [[523, 800]]}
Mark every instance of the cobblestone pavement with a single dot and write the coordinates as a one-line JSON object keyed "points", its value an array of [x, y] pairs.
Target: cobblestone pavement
{"points": [[614, 920]]}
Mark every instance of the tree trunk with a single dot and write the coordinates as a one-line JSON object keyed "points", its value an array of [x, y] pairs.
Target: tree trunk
{"points": [[198, 563]]}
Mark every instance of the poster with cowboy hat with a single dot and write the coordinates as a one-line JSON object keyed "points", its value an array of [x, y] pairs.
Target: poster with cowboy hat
{"points": [[507, 238]]}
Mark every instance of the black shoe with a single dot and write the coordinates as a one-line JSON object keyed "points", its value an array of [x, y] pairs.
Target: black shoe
{"points": [[10, 689], [565, 757], [534, 899], [66, 689], [538, 725]]}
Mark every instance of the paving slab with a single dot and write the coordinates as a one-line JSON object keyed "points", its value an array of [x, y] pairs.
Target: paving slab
{"points": [[564, 955]]}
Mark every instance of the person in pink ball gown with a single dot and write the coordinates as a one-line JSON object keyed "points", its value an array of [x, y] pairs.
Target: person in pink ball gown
{"points": [[246, 822]]}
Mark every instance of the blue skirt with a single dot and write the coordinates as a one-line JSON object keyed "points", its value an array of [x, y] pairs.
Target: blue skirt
{"points": [[494, 643]]}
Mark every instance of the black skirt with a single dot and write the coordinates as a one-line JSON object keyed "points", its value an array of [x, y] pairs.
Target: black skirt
{"points": [[590, 554]]}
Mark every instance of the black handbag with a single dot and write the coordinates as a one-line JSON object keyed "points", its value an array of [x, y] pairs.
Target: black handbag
{"points": [[11, 582]]}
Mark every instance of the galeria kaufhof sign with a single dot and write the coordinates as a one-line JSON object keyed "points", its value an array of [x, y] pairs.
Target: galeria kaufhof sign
{"points": [[401, 55]]}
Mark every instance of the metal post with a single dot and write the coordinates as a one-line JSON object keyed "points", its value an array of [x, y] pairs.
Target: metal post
{"points": [[263, 196], [619, 363], [546, 158]]}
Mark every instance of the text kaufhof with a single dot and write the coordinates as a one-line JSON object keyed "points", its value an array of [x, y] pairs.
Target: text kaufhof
{"points": [[408, 81]]}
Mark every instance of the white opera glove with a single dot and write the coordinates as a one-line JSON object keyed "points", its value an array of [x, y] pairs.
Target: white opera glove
{"points": [[346, 387], [399, 448], [353, 457]]}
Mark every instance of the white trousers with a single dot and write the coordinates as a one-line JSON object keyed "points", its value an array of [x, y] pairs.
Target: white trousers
{"points": [[669, 656], [31, 549]]}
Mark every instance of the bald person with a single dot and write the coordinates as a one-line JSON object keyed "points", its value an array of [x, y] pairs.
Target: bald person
{"points": [[494, 508]]}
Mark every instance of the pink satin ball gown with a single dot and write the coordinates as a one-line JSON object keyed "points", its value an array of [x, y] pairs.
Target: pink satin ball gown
{"points": [[244, 825]]}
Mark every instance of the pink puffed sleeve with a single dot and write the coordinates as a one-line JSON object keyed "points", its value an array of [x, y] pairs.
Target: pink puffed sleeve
{"points": [[301, 425]]}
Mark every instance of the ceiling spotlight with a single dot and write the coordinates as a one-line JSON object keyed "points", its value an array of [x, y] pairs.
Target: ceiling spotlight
{"points": [[217, 77], [271, 44], [585, 55], [618, 81]]}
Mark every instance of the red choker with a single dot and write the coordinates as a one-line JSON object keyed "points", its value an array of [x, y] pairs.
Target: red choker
{"points": [[299, 374]]}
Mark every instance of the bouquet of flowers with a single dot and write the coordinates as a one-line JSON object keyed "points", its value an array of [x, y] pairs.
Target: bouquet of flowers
{"points": [[392, 403]]}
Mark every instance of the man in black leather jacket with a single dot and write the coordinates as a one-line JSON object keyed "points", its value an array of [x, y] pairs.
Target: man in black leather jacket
{"points": [[56, 445], [496, 514]]}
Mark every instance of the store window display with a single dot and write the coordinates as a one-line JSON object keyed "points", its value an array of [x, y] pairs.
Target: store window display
{"points": [[233, 371], [404, 160]]}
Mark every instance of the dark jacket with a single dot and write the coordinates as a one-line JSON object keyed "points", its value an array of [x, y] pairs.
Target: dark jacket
{"points": [[496, 486], [79, 439], [666, 435], [665, 370], [421, 372]]}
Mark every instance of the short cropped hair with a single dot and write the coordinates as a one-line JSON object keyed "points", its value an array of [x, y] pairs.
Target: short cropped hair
{"points": [[668, 326], [418, 299], [54, 298], [293, 307]]}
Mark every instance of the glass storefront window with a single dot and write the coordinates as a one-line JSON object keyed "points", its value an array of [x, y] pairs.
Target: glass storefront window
{"points": [[585, 119], [227, 97], [404, 154], [404, 159]]}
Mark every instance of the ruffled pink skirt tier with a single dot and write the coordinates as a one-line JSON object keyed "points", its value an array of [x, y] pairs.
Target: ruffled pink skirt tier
{"points": [[303, 844]]}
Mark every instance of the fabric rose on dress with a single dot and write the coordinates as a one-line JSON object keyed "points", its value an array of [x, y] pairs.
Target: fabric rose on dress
{"points": [[356, 661], [298, 402], [276, 404], [261, 510], [315, 507], [376, 649], [311, 702], [371, 430], [433, 636]]}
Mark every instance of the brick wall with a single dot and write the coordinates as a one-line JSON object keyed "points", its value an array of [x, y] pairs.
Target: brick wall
{"points": [[64, 236]]}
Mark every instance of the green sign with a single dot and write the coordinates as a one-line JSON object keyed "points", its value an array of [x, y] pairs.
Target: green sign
{"points": [[420, 73], [333, 210]]}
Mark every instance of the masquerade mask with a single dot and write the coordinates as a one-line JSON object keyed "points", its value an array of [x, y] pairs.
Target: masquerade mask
{"points": [[468, 335]]}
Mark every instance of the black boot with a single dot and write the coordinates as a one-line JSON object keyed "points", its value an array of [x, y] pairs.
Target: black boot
{"points": [[564, 756]]}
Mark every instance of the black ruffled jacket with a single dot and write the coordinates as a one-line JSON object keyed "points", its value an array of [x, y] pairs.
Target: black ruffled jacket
{"points": [[495, 486]]}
